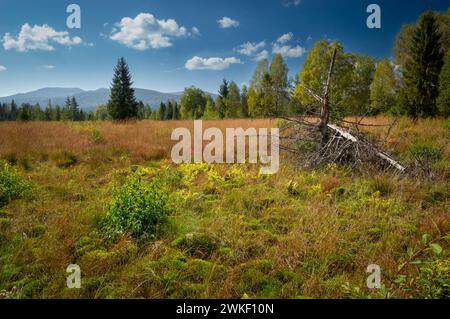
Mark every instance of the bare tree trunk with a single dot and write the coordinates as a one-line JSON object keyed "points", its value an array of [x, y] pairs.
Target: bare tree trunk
{"points": [[325, 113]]}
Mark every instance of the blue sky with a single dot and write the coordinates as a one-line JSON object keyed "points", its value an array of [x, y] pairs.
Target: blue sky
{"points": [[171, 44]]}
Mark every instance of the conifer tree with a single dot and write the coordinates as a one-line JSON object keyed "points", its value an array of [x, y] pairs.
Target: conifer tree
{"points": [[224, 89], [67, 109], [176, 112], [422, 69], [162, 111], [244, 104], [75, 114], [122, 103], [58, 113], [14, 111], [443, 101], [169, 111], [233, 102]]}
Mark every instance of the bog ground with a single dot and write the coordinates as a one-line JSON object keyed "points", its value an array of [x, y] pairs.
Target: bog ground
{"points": [[79, 193]]}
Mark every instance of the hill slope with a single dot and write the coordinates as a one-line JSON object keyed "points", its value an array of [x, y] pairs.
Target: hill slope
{"points": [[88, 100]]}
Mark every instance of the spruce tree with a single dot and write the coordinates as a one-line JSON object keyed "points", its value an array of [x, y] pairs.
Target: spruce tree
{"points": [[75, 114], [162, 111], [14, 111], [141, 110], [176, 112], [422, 69], [244, 105], [67, 109], [122, 103], [233, 103], [224, 89], [443, 101], [169, 112], [58, 113]]}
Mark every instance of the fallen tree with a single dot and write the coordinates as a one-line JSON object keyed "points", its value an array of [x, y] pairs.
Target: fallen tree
{"points": [[317, 141]]}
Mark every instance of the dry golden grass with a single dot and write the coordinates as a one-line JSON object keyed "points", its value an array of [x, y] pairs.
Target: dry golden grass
{"points": [[24, 140], [141, 141], [150, 140]]}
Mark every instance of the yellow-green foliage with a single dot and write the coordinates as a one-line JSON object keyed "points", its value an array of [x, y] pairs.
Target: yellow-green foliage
{"points": [[138, 207], [12, 186]]}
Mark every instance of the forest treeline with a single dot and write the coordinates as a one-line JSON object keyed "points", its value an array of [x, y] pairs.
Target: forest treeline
{"points": [[415, 83]]}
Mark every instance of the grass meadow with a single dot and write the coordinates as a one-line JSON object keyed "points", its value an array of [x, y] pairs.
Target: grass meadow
{"points": [[228, 231]]}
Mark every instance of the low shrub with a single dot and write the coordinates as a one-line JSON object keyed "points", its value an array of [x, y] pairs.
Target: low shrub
{"points": [[12, 186], [431, 280], [138, 208]]}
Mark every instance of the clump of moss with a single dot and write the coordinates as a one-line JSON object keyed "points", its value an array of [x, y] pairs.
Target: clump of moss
{"points": [[198, 245], [262, 279]]}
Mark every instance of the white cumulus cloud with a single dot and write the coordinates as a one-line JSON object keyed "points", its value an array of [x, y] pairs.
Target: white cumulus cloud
{"points": [[2, 68], [254, 49], [227, 22], [38, 38], [199, 63], [250, 48], [264, 54], [282, 47], [285, 38], [145, 32]]}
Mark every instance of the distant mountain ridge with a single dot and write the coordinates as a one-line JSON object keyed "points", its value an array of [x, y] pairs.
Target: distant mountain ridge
{"points": [[87, 100]]}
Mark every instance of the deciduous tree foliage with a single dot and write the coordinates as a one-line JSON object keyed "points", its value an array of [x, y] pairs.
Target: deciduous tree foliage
{"points": [[268, 94], [257, 91], [262, 68], [358, 99], [314, 73], [193, 103], [210, 111], [383, 89], [279, 80], [233, 102]]}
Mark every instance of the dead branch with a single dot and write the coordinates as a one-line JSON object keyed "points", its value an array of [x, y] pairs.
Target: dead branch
{"points": [[324, 142]]}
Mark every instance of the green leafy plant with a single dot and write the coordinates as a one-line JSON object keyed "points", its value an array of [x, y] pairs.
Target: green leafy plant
{"points": [[12, 186], [432, 278], [138, 207]]}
